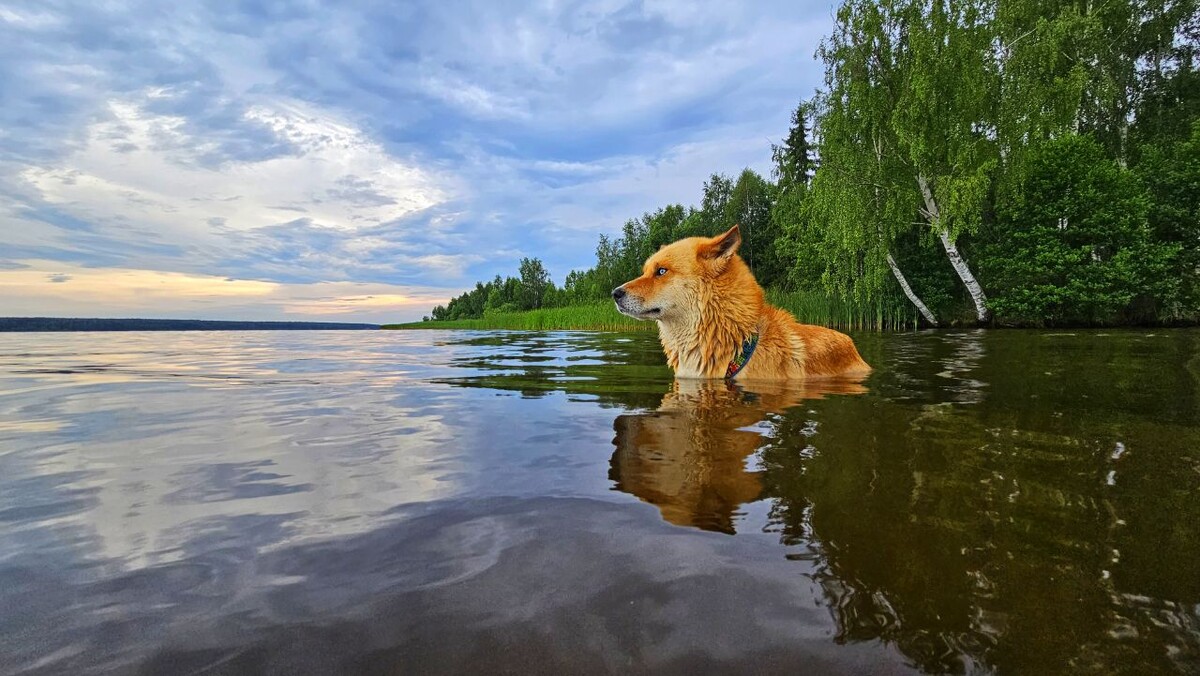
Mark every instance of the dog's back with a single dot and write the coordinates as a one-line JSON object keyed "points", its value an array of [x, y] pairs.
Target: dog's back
{"points": [[789, 349], [827, 352]]}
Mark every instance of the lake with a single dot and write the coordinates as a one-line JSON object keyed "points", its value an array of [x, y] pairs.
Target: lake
{"points": [[1007, 502]]}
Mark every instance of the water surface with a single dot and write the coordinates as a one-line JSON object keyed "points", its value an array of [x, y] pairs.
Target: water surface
{"points": [[425, 502]]}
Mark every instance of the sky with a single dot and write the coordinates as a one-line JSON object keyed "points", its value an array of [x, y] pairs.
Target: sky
{"points": [[363, 161]]}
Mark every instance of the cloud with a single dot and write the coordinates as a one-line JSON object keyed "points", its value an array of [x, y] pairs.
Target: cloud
{"points": [[237, 217], [417, 145], [147, 166]]}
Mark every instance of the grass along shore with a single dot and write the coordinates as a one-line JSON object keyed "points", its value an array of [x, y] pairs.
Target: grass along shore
{"points": [[809, 308], [596, 317]]}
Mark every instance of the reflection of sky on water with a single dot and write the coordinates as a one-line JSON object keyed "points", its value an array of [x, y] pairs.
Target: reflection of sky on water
{"points": [[978, 488], [127, 445]]}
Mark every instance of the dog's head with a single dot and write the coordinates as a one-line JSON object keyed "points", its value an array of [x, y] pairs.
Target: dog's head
{"points": [[673, 277]]}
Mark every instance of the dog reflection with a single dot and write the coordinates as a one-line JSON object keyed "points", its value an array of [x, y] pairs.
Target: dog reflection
{"points": [[688, 458]]}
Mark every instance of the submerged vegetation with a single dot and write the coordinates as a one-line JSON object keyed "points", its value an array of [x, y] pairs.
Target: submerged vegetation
{"points": [[970, 162]]}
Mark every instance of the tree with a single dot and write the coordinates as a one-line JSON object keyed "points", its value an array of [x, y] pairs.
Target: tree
{"points": [[1068, 67], [692, 225], [944, 94], [1073, 242], [749, 205], [863, 193], [664, 226], [714, 205], [1168, 96], [534, 280], [634, 248], [799, 242], [607, 262], [794, 164], [943, 119], [1171, 173]]}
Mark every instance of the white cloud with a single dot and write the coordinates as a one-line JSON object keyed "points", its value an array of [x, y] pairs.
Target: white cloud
{"points": [[561, 66], [28, 19], [473, 99], [607, 192], [138, 166], [417, 143]]}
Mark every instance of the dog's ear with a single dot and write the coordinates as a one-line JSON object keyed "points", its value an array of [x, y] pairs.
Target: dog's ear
{"points": [[722, 246]]}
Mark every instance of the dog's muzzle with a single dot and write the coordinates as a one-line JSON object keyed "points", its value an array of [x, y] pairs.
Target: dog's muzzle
{"points": [[628, 304]]}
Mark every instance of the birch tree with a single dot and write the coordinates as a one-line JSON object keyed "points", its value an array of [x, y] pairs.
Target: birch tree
{"points": [[1068, 67], [944, 120], [864, 192]]}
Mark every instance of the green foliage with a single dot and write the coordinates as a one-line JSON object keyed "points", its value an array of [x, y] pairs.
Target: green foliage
{"points": [[793, 159], [715, 212], [959, 95], [813, 307], [1002, 128], [749, 206], [799, 245], [1065, 67], [945, 95], [924, 263], [1168, 99], [591, 317], [534, 284], [532, 290], [863, 195], [1074, 245], [818, 307], [1171, 173]]}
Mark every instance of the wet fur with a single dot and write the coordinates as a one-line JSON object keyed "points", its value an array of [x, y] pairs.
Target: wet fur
{"points": [[708, 302]]}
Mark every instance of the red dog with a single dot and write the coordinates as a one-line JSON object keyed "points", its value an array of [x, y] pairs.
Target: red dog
{"points": [[714, 322]]}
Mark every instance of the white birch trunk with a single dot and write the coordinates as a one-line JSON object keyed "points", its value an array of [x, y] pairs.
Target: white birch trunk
{"points": [[956, 260], [900, 278], [912, 295]]}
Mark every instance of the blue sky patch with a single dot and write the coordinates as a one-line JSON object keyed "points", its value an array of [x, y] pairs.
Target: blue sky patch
{"points": [[415, 147]]}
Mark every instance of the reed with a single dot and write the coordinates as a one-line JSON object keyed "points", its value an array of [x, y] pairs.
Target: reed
{"points": [[815, 307], [809, 307], [595, 317]]}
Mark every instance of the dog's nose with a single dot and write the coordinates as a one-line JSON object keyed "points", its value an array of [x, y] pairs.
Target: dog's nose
{"points": [[618, 293]]}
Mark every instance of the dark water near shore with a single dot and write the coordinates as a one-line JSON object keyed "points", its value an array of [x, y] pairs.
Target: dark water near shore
{"points": [[433, 502]]}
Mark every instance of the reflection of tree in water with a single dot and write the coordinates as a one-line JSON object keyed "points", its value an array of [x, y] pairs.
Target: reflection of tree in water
{"points": [[1044, 528], [1012, 501], [626, 370], [968, 546]]}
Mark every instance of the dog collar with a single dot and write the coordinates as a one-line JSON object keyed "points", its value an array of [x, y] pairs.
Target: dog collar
{"points": [[742, 356]]}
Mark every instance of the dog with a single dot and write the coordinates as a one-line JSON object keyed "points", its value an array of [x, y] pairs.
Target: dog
{"points": [[688, 457], [714, 322]]}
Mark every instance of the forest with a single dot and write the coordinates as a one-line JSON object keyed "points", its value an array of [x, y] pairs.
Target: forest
{"points": [[1004, 163]]}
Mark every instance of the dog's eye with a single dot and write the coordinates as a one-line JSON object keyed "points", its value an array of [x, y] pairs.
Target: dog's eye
{"points": [[660, 272]]}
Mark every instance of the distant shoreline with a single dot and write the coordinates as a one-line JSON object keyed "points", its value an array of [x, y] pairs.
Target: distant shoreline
{"points": [[64, 324]]}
